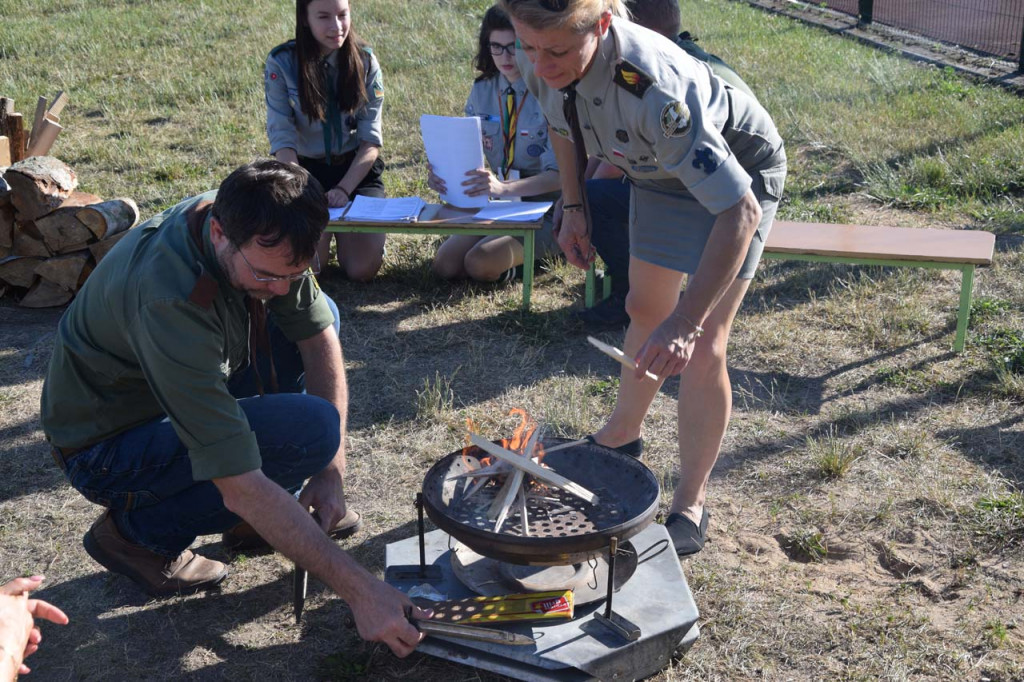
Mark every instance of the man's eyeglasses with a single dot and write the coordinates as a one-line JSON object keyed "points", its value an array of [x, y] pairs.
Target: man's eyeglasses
{"points": [[314, 269], [498, 48]]}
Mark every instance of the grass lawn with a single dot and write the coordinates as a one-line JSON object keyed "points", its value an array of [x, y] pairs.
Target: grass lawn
{"points": [[868, 519]]}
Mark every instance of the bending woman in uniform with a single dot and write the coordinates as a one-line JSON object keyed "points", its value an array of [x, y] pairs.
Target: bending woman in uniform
{"points": [[324, 98], [706, 168], [517, 150]]}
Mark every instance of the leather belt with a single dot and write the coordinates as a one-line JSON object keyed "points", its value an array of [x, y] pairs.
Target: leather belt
{"points": [[62, 456]]}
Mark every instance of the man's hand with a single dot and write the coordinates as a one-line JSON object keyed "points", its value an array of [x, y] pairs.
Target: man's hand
{"points": [[325, 493], [382, 615], [668, 349], [573, 239], [19, 636]]}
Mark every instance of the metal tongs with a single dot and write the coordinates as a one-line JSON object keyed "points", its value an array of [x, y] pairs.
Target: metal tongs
{"points": [[472, 632]]}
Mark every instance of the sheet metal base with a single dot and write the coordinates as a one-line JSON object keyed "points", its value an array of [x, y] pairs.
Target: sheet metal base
{"points": [[657, 599]]}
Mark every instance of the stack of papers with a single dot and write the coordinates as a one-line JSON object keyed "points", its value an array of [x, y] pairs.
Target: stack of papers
{"points": [[372, 209], [517, 211]]}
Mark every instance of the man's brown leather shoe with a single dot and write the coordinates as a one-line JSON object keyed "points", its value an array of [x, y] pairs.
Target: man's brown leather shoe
{"points": [[156, 574], [244, 538]]}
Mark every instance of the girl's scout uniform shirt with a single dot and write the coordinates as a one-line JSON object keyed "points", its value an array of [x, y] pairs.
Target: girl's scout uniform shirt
{"points": [[664, 119], [289, 127], [141, 341], [533, 153]]}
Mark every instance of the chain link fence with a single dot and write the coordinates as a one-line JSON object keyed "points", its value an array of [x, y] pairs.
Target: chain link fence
{"points": [[994, 27]]}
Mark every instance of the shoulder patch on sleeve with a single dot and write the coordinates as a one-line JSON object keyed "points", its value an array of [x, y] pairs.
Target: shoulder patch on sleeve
{"points": [[632, 79], [675, 119], [282, 47]]}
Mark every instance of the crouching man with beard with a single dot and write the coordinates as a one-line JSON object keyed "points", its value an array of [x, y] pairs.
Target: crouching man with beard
{"points": [[197, 382]]}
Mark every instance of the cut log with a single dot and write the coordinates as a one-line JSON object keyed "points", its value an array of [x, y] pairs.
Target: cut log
{"points": [[39, 185], [6, 226], [5, 151], [15, 132], [64, 271], [110, 217], [27, 244], [61, 228], [101, 248], [18, 271], [47, 135], [45, 294], [37, 120]]}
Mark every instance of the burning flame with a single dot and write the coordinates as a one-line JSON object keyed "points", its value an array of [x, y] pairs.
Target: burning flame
{"points": [[517, 443]]}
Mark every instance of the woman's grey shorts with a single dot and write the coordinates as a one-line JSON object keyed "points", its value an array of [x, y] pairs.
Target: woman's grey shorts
{"points": [[670, 228]]}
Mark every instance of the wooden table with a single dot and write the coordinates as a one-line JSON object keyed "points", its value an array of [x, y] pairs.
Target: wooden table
{"points": [[445, 219]]}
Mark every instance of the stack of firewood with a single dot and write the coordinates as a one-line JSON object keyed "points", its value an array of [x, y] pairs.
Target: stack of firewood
{"points": [[51, 236], [16, 143]]}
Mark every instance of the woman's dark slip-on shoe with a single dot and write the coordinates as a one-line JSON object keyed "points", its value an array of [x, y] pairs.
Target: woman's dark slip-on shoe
{"points": [[634, 448], [687, 536]]}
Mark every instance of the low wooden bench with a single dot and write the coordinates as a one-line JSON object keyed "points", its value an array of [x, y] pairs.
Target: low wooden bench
{"points": [[962, 250]]}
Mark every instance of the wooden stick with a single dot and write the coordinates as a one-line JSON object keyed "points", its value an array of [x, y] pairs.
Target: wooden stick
{"points": [[503, 502], [522, 513], [59, 100], [37, 120], [617, 355], [565, 446], [534, 469]]}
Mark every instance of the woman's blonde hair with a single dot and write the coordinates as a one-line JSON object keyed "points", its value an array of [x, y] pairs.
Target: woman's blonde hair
{"points": [[578, 16]]}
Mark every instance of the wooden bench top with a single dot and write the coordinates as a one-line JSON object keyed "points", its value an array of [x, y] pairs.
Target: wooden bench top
{"points": [[882, 243]]}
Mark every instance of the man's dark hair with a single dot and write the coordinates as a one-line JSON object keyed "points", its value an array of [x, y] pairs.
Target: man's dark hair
{"points": [[494, 20], [658, 15], [273, 202]]}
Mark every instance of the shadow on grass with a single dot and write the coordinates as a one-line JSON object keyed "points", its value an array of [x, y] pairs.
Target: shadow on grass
{"points": [[116, 626]]}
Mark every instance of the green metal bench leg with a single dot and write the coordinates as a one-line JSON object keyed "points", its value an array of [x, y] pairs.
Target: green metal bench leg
{"points": [[528, 255], [966, 287], [606, 291]]}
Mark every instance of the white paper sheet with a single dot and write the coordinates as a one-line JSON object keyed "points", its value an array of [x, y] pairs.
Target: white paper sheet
{"points": [[396, 210], [454, 147], [518, 211]]}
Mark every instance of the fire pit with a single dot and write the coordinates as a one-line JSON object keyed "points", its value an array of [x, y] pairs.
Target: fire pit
{"points": [[561, 528], [551, 515]]}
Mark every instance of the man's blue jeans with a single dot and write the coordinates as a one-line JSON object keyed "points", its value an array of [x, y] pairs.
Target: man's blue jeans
{"points": [[609, 217], [144, 475]]}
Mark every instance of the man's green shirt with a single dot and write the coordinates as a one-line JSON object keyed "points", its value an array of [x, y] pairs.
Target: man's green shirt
{"points": [[132, 347]]}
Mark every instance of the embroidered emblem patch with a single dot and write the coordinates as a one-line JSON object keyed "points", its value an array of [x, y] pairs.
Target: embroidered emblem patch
{"points": [[563, 132], [632, 79], [675, 119], [535, 150], [704, 159], [621, 136], [273, 76]]}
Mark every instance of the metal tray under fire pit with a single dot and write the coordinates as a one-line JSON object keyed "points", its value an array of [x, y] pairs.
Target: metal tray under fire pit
{"points": [[564, 531]]}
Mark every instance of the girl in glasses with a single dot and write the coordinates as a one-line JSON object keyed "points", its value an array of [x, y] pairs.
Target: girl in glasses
{"points": [[324, 98], [518, 152]]}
